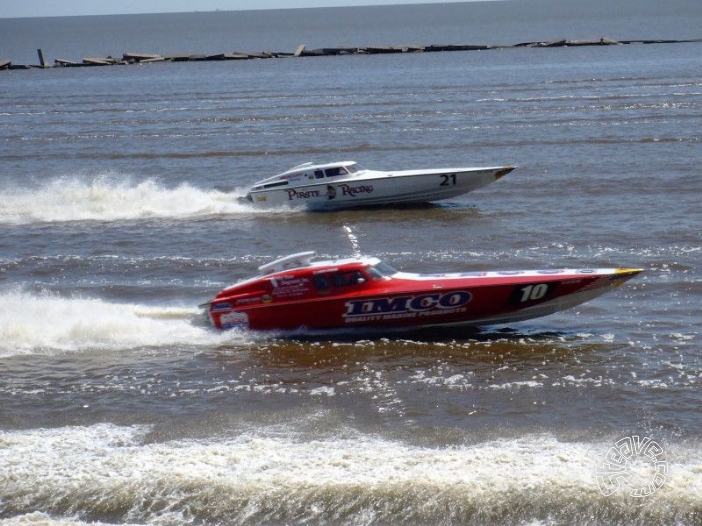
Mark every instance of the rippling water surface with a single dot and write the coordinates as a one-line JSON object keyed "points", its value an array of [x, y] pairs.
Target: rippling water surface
{"points": [[119, 213]]}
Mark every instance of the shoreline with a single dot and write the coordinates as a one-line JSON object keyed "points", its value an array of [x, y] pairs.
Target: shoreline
{"points": [[129, 58]]}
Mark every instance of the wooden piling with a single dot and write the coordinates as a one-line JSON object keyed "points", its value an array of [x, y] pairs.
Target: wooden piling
{"points": [[236, 56], [63, 63], [302, 51], [92, 61], [42, 62], [128, 56]]}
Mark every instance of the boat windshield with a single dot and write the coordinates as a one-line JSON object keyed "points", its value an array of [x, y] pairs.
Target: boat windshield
{"points": [[381, 270]]}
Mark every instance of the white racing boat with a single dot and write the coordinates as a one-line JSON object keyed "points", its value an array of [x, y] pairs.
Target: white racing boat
{"points": [[344, 184]]}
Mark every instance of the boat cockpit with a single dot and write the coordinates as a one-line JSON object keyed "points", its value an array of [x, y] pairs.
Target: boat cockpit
{"points": [[336, 171]]}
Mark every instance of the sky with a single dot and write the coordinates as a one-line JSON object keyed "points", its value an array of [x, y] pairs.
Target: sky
{"points": [[29, 8]]}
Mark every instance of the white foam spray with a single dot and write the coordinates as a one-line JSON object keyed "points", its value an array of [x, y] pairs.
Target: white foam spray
{"points": [[109, 197], [44, 322], [353, 239]]}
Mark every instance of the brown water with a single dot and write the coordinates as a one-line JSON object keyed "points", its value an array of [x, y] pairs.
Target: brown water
{"points": [[119, 214]]}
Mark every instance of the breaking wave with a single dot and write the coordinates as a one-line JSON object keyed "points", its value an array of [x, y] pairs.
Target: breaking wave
{"points": [[269, 475]]}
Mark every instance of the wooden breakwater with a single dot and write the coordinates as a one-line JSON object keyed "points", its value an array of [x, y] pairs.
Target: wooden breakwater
{"points": [[302, 51]]}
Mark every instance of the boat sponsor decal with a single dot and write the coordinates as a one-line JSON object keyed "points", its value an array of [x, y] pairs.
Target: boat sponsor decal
{"points": [[290, 286], [234, 319], [261, 198], [353, 191], [410, 306], [221, 306], [302, 194], [331, 192]]}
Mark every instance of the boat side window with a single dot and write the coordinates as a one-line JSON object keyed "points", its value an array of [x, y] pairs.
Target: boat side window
{"points": [[333, 172], [318, 174], [345, 279], [352, 168], [321, 282]]}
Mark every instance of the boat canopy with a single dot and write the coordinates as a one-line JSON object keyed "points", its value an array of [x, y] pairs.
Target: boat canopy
{"points": [[322, 170], [308, 171], [298, 260]]}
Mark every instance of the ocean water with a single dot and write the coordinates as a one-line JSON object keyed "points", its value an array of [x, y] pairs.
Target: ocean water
{"points": [[119, 213]]}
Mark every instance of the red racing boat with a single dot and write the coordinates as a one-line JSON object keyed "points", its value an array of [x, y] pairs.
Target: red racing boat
{"points": [[295, 292]]}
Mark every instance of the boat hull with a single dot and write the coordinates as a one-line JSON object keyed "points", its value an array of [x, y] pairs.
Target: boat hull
{"points": [[374, 188], [469, 300]]}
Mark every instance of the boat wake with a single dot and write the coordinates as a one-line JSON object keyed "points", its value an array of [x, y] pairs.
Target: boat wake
{"points": [[111, 197], [45, 323]]}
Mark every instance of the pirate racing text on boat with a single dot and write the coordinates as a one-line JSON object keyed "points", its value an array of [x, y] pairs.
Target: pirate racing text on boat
{"points": [[344, 185]]}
